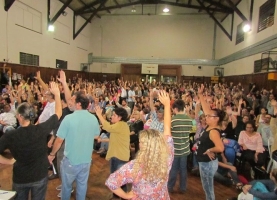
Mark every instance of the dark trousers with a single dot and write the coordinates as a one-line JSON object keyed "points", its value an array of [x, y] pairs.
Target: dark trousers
{"points": [[38, 190], [249, 156], [115, 164]]}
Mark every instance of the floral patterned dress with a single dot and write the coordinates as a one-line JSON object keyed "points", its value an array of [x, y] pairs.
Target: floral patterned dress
{"points": [[142, 189]]}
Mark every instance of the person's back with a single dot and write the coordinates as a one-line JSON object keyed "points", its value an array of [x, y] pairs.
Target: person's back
{"points": [[28, 147], [79, 130]]}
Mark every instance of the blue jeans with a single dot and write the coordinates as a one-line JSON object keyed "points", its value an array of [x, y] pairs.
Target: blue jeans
{"points": [[38, 190], [79, 174], [220, 176], [179, 165], [207, 171], [115, 164]]}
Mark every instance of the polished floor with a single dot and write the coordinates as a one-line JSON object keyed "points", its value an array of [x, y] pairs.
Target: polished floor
{"points": [[98, 191]]}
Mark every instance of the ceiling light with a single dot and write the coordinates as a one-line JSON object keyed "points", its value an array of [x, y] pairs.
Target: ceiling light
{"points": [[133, 9], [246, 27], [165, 10], [51, 28]]}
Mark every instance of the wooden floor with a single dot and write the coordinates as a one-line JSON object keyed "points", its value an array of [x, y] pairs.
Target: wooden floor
{"points": [[98, 191]]}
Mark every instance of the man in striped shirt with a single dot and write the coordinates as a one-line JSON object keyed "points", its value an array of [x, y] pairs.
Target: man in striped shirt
{"points": [[181, 125]]}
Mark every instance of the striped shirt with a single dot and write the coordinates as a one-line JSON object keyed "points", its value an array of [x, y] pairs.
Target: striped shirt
{"points": [[181, 126]]}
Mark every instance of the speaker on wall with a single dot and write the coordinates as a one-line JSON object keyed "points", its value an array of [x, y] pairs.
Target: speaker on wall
{"points": [[61, 64]]}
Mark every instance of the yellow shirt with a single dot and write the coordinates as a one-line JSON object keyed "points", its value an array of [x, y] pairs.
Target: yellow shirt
{"points": [[119, 145]]}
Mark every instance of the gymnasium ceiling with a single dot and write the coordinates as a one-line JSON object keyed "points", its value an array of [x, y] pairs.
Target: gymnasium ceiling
{"points": [[90, 9]]}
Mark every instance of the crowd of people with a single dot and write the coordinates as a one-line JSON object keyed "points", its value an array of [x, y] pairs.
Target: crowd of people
{"points": [[219, 126]]}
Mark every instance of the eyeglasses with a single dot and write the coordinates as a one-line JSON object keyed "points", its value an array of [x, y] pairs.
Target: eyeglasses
{"points": [[211, 116]]}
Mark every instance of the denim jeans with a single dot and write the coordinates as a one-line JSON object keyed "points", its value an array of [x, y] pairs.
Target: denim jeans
{"points": [[104, 145], [38, 190], [179, 165], [207, 171], [220, 176], [79, 174], [115, 164]]}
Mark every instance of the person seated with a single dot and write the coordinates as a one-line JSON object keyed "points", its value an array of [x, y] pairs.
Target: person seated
{"points": [[252, 146], [104, 140], [7, 119], [263, 189], [227, 169]]}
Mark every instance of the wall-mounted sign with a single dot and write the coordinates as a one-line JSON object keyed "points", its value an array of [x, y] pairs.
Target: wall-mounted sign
{"points": [[149, 69]]}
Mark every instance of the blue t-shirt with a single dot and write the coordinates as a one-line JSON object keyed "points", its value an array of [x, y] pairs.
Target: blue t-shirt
{"points": [[79, 130]]}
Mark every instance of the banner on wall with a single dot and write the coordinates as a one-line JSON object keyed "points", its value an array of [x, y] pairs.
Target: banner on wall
{"points": [[149, 69]]}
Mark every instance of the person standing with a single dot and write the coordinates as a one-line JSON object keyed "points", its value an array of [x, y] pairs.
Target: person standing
{"points": [[119, 147], [149, 171], [78, 130], [181, 126], [27, 145], [209, 145]]}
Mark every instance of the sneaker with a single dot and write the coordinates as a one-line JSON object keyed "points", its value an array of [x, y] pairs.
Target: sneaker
{"points": [[100, 151], [60, 193], [59, 187]]}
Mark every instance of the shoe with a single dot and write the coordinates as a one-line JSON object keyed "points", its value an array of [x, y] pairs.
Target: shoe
{"points": [[53, 176], [100, 151], [182, 191], [60, 193], [59, 187], [171, 191]]}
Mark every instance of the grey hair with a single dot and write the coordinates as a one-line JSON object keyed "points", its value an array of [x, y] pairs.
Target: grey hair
{"points": [[27, 111]]}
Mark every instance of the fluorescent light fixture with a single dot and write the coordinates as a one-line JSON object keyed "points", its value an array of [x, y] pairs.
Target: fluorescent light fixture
{"points": [[246, 27], [165, 10], [51, 28]]}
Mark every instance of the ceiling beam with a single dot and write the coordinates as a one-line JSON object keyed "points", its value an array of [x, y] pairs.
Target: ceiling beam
{"points": [[215, 20], [91, 8], [8, 4], [88, 20], [229, 13], [160, 2], [218, 4], [235, 8], [115, 1], [52, 21], [87, 6]]}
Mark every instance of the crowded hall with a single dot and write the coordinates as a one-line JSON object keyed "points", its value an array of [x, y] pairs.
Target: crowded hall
{"points": [[138, 99]]}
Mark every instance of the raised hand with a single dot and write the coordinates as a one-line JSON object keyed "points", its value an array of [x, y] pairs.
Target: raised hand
{"points": [[54, 89], [164, 97], [201, 89], [62, 78]]}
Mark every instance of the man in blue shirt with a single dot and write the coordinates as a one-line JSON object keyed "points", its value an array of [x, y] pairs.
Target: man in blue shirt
{"points": [[78, 130]]}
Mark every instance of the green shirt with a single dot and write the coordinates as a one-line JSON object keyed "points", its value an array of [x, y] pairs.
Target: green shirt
{"points": [[181, 126]]}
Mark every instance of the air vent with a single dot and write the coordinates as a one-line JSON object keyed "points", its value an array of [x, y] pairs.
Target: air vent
{"points": [[240, 34], [28, 59], [266, 15]]}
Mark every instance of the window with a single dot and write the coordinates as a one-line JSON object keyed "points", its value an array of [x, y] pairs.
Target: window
{"points": [[266, 15], [240, 34], [28, 59]]}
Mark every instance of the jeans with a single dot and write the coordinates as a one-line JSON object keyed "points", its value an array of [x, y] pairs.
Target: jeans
{"points": [[207, 172], [79, 174], [104, 145], [179, 165], [221, 173], [38, 190], [115, 164]]}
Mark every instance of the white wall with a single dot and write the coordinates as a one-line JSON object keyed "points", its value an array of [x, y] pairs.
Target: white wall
{"points": [[193, 70], [225, 47], [32, 14], [183, 37]]}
